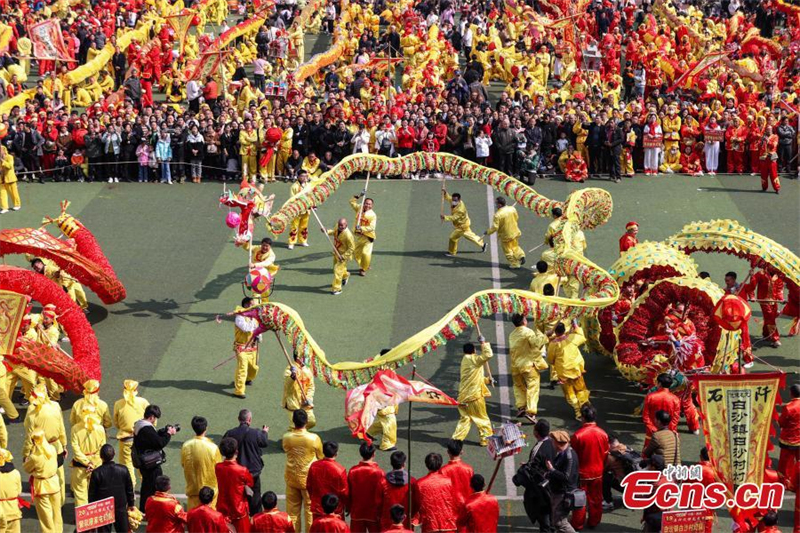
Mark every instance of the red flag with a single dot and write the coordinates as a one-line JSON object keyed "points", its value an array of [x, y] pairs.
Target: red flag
{"points": [[48, 43], [386, 388]]}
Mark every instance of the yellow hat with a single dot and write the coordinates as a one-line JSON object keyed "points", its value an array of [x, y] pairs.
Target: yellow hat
{"points": [[5, 456], [91, 386]]}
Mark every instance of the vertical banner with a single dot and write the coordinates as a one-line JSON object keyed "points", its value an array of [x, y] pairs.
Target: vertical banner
{"points": [[12, 309], [48, 43], [181, 24], [738, 411]]}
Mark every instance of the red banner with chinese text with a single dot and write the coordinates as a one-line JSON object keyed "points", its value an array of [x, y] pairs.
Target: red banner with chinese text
{"points": [[695, 521], [48, 43], [94, 515]]}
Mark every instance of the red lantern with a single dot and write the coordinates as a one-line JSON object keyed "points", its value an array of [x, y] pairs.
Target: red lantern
{"points": [[732, 314]]}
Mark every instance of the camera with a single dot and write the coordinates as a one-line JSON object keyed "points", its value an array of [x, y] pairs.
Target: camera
{"points": [[176, 426]]}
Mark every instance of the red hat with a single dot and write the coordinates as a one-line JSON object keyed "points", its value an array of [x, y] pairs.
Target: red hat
{"points": [[632, 224]]}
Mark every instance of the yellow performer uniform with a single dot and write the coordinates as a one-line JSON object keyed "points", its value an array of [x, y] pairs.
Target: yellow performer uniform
{"points": [[246, 357], [10, 490], [45, 415], [461, 225], [505, 224], [385, 427], [572, 288], [284, 151], [471, 393], [545, 278], [365, 233], [248, 149], [302, 448], [90, 397], [87, 437], [345, 245], [8, 181], [71, 286], [5, 397], [266, 260], [126, 412], [298, 392], [47, 334], [3, 434], [42, 464], [298, 232], [672, 161], [527, 361], [199, 456], [564, 354]]}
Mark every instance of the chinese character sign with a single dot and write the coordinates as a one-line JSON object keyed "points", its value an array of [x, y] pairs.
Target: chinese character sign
{"points": [[697, 521], [12, 310], [94, 515], [738, 411]]}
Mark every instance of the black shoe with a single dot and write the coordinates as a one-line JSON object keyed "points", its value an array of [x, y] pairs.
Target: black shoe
{"points": [[23, 403], [248, 382], [523, 260], [483, 248], [344, 281], [553, 385], [17, 420]]}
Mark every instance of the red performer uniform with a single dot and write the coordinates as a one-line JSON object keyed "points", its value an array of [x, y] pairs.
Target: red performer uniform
{"points": [[395, 491], [232, 478], [769, 163], [365, 482], [591, 444], [326, 476], [273, 521], [480, 513], [660, 400], [437, 504], [754, 147], [708, 474], [789, 439], [329, 523], [205, 519], [629, 240], [792, 308], [576, 168], [735, 137], [396, 528], [459, 473], [164, 514], [769, 289]]}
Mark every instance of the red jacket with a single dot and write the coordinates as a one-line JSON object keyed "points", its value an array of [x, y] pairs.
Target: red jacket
{"points": [[365, 482], [627, 242], [327, 477], [396, 528], [273, 521], [661, 400], [395, 490], [164, 514], [591, 444], [480, 514], [789, 422], [205, 519], [330, 523], [765, 287], [437, 503], [231, 480], [709, 476], [459, 473]]}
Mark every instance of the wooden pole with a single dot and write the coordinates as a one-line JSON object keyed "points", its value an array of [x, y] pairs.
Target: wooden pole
{"points": [[486, 366], [363, 199], [410, 405], [444, 192], [494, 475], [335, 251]]}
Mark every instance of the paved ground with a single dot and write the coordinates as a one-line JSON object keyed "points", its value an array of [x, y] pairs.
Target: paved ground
{"points": [[170, 247]]}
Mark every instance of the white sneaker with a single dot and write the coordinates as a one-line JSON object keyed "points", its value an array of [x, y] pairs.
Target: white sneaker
{"points": [[16, 208], [3, 212], [304, 244], [111, 180], [749, 365], [116, 180], [291, 247], [336, 293], [696, 432]]}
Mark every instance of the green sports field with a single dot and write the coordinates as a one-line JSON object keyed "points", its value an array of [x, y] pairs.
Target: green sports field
{"points": [[173, 252]]}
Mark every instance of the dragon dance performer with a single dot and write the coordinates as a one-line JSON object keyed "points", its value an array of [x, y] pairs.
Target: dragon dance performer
{"points": [[365, 232], [564, 355], [629, 240], [768, 289], [87, 437], [769, 161], [41, 462], [472, 391], [245, 347], [298, 391], [298, 233], [10, 492], [504, 223], [526, 347], [345, 245], [461, 224], [45, 415], [792, 308], [679, 331], [91, 390], [71, 286], [127, 411]]}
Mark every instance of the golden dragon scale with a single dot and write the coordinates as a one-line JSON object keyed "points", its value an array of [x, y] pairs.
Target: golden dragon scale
{"points": [[585, 208]]}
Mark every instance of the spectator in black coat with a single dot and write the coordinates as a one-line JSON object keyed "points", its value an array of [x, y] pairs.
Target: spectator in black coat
{"points": [[537, 498], [562, 475], [146, 438], [251, 445], [112, 480]]}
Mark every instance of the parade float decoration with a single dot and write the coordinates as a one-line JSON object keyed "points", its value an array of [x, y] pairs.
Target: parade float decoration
{"points": [[79, 255]]}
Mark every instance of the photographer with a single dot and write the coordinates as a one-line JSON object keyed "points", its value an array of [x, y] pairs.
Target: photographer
{"points": [[148, 450], [562, 474], [531, 476]]}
